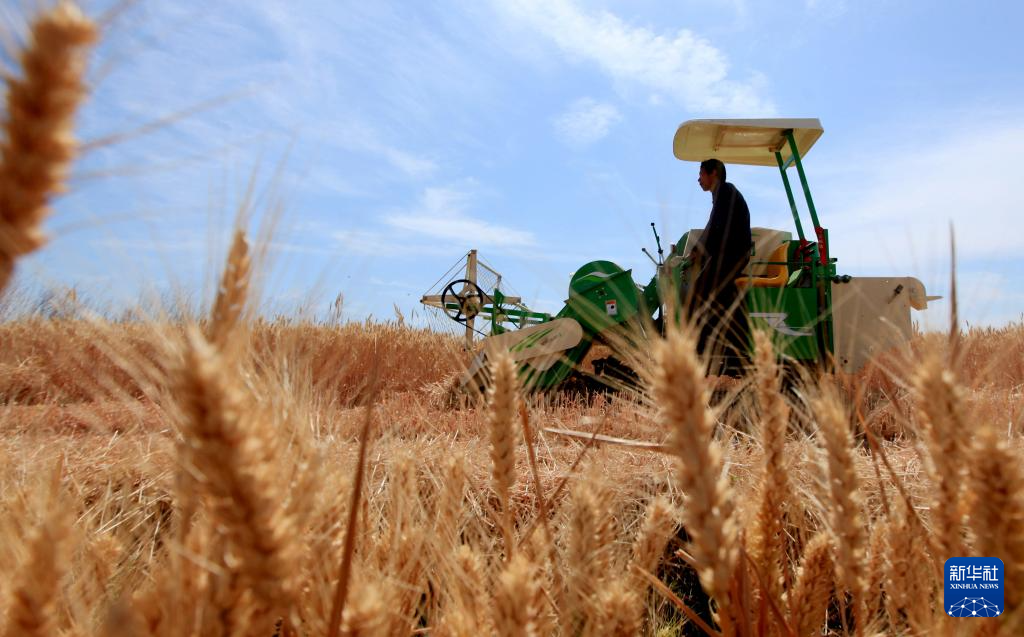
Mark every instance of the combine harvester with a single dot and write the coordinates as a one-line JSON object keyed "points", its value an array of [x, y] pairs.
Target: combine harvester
{"points": [[816, 318]]}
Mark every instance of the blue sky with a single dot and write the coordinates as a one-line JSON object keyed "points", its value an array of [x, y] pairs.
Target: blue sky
{"points": [[394, 136]]}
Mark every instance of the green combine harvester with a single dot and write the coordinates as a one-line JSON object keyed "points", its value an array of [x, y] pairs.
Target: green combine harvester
{"points": [[815, 317]]}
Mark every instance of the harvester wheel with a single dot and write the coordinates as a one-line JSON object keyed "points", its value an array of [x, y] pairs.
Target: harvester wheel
{"points": [[470, 298]]}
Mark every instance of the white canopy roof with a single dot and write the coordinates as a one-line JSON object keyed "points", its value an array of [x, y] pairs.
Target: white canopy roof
{"points": [[743, 141]]}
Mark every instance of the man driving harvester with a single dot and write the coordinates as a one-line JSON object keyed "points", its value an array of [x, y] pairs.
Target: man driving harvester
{"points": [[787, 286], [719, 256]]}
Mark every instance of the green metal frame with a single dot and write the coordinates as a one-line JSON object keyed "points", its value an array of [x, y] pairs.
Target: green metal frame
{"points": [[498, 315], [789, 194], [818, 230], [823, 268]]}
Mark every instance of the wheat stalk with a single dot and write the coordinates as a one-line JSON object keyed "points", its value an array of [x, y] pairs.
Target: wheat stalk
{"points": [[615, 611], [907, 568], [996, 481], [542, 551], [679, 392], [405, 544], [231, 294], [462, 615], [939, 405], [649, 548], [653, 538], [230, 453], [450, 502], [502, 397], [769, 540], [366, 613], [877, 566], [31, 609], [345, 574], [812, 587], [582, 547], [102, 553], [122, 619], [38, 143], [517, 598], [588, 554], [845, 508]]}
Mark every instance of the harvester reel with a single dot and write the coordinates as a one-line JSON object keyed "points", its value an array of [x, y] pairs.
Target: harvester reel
{"points": [[469, 299]]}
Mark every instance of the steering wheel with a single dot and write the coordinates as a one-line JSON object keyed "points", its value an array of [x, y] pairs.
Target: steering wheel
{"points": [[470, 300]]}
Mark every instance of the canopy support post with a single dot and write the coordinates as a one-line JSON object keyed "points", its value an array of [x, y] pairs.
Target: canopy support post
{"points": [[789, 195], [823, 327], [818, 230]]}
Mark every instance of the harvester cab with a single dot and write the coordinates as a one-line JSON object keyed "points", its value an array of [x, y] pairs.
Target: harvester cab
{"points": [[813, 315]]}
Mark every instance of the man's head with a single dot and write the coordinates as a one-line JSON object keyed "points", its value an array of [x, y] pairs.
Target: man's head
{"points": [[712, 173]]}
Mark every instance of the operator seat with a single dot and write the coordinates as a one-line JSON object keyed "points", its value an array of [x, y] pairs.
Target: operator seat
{"points": [[759, 273], [773, 274]]}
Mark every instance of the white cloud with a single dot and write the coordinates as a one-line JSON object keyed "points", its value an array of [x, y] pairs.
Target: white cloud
{"points": [[366, 243], [362, 138], [889, 206], [897, 204], [586, 121], [830, 8], [441, 214], [391, 243], [152, 245], [682, 65], [298, 248]]}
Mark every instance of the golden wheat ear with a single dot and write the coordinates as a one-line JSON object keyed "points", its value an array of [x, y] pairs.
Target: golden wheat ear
{"points": [[650, 543], [846, 507], [940, 399], [908, 572], [502, 399], [708, 514], [33, 604], [808, 602], [996, 482], [233, 457], [517, 598], [648, 549], [768, 544], [231, 293], [38, 144], [340, 597]]}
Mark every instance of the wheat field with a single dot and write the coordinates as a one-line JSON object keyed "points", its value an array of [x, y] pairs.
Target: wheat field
{"points": [[226, 474]]}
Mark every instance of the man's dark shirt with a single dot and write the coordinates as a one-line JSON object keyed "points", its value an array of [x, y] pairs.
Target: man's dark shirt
{"points": [[723, 252], [725, 243]]}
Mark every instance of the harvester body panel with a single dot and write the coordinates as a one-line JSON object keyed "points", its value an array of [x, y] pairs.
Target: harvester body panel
{"points": [[790, 317], [601, 296], [872, 316]]}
